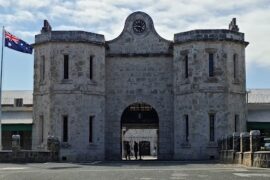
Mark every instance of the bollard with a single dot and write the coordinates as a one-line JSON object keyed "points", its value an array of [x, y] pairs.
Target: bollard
{"points": [[244, 142], [236, 141], [229, 142], [255, 140]]}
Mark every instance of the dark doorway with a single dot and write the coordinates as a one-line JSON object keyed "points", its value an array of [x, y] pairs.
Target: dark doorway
{"points": [[140, 124]]}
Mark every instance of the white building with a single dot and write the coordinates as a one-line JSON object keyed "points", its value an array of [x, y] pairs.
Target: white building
{"points": [[17, 109], [259, 110]]}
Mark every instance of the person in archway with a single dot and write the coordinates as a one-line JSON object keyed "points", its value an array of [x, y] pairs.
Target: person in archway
{"points": [[127, 151], [135, 147], [140, 150]]}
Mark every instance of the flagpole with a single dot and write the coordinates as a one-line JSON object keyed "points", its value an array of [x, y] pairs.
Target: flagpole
{"points": [[1, 75]]}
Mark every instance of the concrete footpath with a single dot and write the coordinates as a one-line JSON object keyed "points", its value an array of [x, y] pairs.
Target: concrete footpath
{"points": [[137, 170]]}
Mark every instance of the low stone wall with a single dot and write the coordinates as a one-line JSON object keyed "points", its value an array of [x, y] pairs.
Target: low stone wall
{"points": [[244, 149], [261, 159], [25, 156], [238, 158], [247, 158]]}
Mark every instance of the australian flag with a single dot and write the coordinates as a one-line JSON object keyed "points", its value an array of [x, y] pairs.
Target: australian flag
{"points": [[17, 44]]}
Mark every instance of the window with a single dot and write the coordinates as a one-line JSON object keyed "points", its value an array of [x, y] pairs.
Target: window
{"points": [[41, 128], [65, 128], [186, 66], [91, 67], [66, 59], [42, 68], [187, 128], [236, 123], [235, 66], [18, 102], [211, 64], [212, 127], [91, 118]]}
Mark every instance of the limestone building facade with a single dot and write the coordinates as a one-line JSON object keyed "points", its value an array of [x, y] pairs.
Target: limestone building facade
{"points": [[86, 89]]}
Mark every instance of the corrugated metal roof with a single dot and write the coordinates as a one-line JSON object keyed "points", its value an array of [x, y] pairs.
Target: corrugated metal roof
{"points": [[259, 96], [9, 96]]}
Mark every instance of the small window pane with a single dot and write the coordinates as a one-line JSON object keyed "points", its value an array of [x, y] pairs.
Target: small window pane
{"points": [[187, 128], [235, 66], [65, 129], [18, 102], [42, 68], [66, 66], [91, 67], [212, 127], [211, 64], [91, 118], [41, 128], [186, 66]]}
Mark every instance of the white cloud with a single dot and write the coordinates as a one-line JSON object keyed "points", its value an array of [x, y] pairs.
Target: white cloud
{"points": [[19, 16], [170, 17], [22, 4]]}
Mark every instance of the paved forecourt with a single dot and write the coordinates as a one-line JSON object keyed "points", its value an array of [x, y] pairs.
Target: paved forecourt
{"points": [[137, 170]]}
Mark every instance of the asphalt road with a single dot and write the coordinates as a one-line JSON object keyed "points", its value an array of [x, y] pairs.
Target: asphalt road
{"points": [[135, 170]]}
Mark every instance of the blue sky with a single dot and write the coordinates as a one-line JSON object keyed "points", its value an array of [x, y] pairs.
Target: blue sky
{"points": [[24, 18]]}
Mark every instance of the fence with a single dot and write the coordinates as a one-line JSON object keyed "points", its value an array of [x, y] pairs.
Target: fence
{"points": [[250, 149]]}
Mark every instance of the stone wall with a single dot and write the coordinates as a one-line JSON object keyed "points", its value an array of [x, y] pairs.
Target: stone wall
{"points": [[132, 80], [27, 156]]}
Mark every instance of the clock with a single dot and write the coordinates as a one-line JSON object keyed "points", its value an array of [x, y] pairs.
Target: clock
{"points": [[139, 26]]}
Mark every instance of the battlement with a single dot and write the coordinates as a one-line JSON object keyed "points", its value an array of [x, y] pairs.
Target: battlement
{"points": [[210, 35], [69, 36]]}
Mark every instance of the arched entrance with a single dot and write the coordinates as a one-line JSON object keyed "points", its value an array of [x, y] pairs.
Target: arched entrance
{"points": [[140, 124]]}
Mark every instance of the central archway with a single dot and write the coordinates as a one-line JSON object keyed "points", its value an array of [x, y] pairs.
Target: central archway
{"points": [[140, 124]]}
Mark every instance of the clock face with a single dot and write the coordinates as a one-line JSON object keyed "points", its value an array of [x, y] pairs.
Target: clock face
{"points": [[139, 26]]}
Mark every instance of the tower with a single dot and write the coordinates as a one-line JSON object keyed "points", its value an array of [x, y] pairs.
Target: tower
{"points": [[209, 90], [69, 92]]}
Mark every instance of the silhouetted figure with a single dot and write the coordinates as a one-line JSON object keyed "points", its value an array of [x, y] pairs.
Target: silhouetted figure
{"points": [[127, 151], [140, 150], [135, 147]]}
